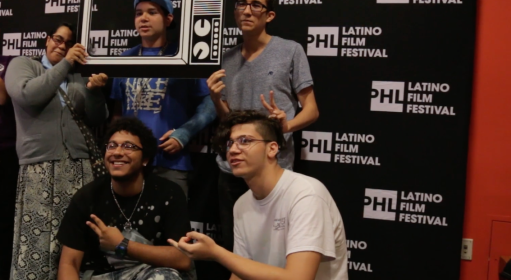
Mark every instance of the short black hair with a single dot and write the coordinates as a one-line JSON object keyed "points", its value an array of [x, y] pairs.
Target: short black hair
{"points": [[136, 128], [71, 27], [271, 5], [269, 128]]}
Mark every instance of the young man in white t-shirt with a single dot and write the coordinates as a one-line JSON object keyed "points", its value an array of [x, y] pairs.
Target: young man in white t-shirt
{"points": [[286, 226]]}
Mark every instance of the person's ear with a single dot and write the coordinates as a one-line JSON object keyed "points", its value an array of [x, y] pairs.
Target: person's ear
{"points": [[168, 20], [270, 16], [273, 149]]}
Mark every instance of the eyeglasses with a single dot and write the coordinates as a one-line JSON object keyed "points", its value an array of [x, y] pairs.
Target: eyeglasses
{"points": [[243, 142], [254, 6], [59, 40], [127, 147]]}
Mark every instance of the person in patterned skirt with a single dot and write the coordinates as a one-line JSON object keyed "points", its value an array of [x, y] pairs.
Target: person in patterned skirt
{"points": [[52, 150]]}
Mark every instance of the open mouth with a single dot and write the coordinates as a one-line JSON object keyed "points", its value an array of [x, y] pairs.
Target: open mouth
{"points": [[235, 162], [118, 163]]}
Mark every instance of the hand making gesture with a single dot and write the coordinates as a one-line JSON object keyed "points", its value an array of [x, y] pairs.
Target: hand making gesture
{"points": [[216, 85], [109, 237], [204, 247], [275, 112]]}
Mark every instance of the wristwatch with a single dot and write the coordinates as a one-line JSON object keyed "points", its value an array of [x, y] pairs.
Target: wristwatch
{"points": [[122, 249]]}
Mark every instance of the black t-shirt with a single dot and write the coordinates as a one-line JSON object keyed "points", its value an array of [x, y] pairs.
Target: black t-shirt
{"points": [[161, 214]]}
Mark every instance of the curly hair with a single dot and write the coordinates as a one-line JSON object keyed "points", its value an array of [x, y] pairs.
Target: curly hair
{"points": [[269, 128], [137, 128]]}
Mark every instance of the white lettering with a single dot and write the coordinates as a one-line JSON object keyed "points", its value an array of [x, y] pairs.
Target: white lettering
{"points": [[362, 31], [357, 138]]}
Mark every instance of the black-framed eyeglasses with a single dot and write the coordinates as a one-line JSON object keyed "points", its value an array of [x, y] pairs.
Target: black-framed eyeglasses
{"points": [[59, 40], [127, 147], [254, 6], [244, 142]]}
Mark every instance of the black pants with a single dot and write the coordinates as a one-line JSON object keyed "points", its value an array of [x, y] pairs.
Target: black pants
{"points": [[230, 188], [8, 183]]}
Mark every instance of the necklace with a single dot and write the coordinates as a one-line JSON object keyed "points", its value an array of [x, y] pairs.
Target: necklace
{"points": [[127, 225], [142, 82]]}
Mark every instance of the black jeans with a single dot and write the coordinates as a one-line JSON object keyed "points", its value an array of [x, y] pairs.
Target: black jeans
{"points": [[230, 188], [8, 184]]}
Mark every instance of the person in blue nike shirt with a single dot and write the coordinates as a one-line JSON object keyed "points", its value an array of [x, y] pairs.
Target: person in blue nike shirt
{"points": [[174, 109]]}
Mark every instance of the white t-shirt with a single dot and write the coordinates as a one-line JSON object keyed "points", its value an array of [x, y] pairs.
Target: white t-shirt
{"points": [[298, 215]]}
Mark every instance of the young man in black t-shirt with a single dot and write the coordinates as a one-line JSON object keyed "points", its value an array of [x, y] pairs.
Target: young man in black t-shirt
{"points": [[116, 226]]}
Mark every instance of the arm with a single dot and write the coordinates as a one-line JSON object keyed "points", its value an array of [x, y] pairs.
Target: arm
{"points": [[234, 277], [3, 93], [302, 84], [299, 266], [117, 95], [221, 108], [117, 113], [159, 256], [96, 111], [69, 265], [204, 115], [309, 113], [111, 237], [29, 90]]}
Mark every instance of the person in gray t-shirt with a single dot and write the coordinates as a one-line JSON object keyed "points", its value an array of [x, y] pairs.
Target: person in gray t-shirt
{"points": [[265, 73]]}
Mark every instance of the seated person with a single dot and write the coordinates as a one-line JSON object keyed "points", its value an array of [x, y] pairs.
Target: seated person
{"points": [[116, 226], [286, 226]]}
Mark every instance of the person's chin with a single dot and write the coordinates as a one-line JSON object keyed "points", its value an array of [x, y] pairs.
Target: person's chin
{"points": [[119, 175], [238, 172], [122, 177], [55, 58]]}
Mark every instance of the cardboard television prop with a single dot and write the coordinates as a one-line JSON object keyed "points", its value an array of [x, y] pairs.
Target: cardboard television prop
{"points": [[107, 28]]}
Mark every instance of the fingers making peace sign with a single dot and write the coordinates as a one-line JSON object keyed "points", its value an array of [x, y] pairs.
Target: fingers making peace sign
{"points": [[275, 112], [109, 237]]}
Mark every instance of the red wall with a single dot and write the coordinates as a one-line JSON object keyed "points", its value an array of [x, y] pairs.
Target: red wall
{"points": [[489, 166]]}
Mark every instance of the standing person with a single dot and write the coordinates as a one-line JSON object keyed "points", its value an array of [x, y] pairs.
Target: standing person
{"points": [[174, 109], [262, 68], [53, 155], [8, 171], [287, 226], [116, 227]]}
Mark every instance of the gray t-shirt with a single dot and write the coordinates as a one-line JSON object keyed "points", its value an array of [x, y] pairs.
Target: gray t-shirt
{"points": [[281, 67]]}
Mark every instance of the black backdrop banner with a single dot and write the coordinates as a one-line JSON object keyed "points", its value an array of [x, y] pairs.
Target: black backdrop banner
{"points": [[393, 82]]}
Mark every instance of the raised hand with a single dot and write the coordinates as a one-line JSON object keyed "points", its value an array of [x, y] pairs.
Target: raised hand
{"points": [[215, 84], [109, 237], [275, 112], [77, 54]]}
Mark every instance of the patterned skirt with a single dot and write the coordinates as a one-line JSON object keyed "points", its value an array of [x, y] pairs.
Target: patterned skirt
{"points": [[44, 192]]}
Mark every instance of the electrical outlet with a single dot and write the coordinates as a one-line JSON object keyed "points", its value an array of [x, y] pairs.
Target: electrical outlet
{"points": [[466, 249]]}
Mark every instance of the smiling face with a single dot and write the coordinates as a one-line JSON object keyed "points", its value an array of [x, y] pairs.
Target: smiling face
{"points": [[124, 164], [56, 52], [249, 160], [151, 21], [249, 21]]}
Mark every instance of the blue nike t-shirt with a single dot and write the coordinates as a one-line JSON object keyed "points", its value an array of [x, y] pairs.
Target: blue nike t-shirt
{"points": [[165, 104]]}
